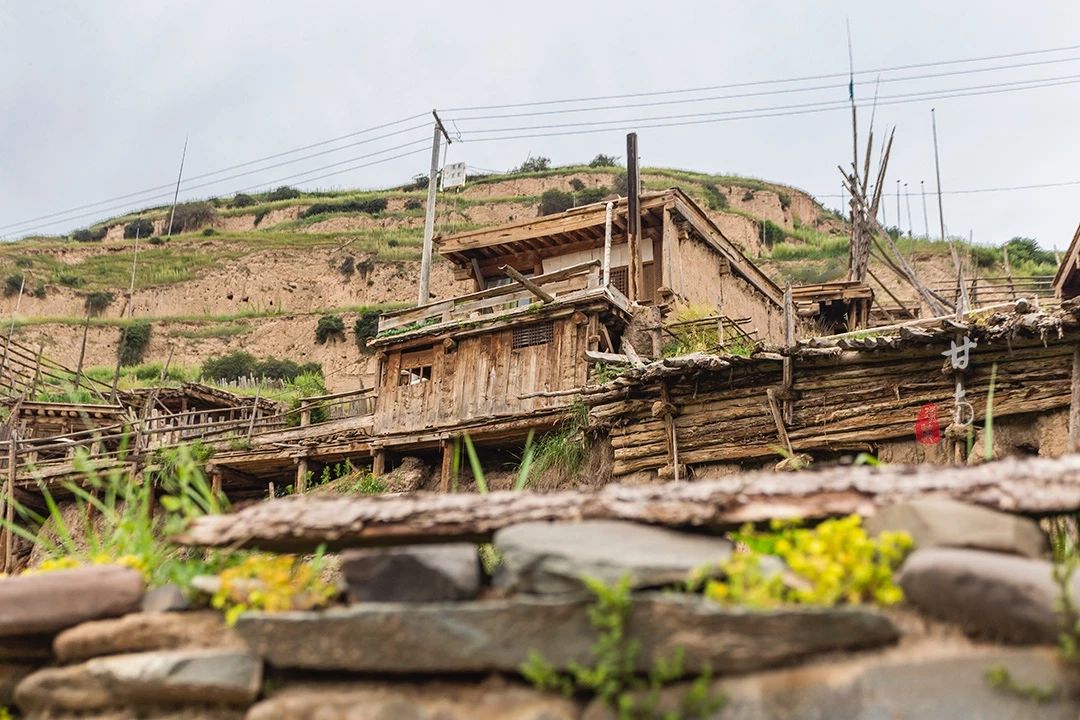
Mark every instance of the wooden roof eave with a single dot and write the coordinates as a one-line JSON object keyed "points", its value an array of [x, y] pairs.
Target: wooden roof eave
{"points": [[610, 298], [1070, 261]]}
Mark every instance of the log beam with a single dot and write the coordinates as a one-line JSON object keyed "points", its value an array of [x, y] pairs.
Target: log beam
{"points": [[1030, 486]]}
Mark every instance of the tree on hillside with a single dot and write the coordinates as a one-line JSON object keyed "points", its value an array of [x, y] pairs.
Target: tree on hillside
{"points": [[602, 160], [534, 164]]}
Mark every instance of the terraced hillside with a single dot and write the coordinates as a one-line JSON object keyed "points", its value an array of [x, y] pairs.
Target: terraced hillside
{"points": [[258, 272]]}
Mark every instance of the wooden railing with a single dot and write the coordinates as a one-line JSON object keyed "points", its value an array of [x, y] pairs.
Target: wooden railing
{"points": [[998, 289], [491, 301]]}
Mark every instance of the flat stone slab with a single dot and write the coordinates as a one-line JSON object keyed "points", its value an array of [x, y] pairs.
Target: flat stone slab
{"points": [[551, 558], [413, 701], [1000, 597], [52, 601], [143, 632], [188, 677], [414, 573], [497, 635], [941, 522], [10, 676]]}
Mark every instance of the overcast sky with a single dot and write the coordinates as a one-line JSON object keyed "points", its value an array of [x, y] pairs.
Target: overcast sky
{"points": [[99, 96]]}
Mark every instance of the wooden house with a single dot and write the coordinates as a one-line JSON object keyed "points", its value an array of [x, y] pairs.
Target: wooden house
{"points": [[511, 356], [1067, 280]]}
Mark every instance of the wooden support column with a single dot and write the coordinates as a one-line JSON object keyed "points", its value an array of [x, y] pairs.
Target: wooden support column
{"points": [[635, 272], [667, 410], [9, 503], [669, 247], [447, 475], [215, 481], [301, 475], [1074, 402], [789, 347], [378, 462]]}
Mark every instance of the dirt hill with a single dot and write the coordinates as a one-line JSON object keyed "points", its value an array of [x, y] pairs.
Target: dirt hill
{"points": [[257, 273]]}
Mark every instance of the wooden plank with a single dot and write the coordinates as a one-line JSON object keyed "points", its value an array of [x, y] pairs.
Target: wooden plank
{"points": [[1074, 401], [1030, 486], [528, 284]]}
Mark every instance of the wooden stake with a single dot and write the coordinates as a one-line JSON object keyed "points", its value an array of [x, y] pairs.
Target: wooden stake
{"points": [[526, 283], [607, 244], [9, 502], [781, 430], [633, 221], [1074, 402]]}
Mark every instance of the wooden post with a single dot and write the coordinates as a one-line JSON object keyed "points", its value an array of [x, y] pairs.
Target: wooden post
{"points": [[667, 237], [37, 369], [424, 294], [254, 412], [82, 352], [1008, 271], [447, 475], [215, 481], [789, 346], [301, 475], [781, 429], [634, 272], [378, 462], [9, 503], [607, 244], [1074, 402], [667, 410]]}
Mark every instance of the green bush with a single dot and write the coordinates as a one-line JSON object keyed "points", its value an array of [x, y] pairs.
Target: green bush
{"points": [[772, 234], [591, 195], [23, 262], [347, 266], [986, 257], [134, 341], [533, 164], [141, 227], [156, 240], [367, 205], [785, 200], [576, 185], [329, 327], [242, 200], [283, 193], [89, 234], [69, 280], [413, 204], [229, 367], [555, 201], [1027, 250], [39, 291], [275, 369], [260, 214], [602, 160], [209, 231], [192, 216], [620, 184], [714, 198], [366, 327], [96, 302], [13, 284]]}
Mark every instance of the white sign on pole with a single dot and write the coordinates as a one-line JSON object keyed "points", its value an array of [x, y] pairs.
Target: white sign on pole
{"points": [[453, 175]]}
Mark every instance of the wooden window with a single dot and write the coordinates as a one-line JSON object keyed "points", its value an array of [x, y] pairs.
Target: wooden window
{"points": [[416, 367], [532, 335], [620, 278]]}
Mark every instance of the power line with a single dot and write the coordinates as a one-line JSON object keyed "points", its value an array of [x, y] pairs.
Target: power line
{"points": [[273, 156], [752, 83], [783, 91], [924, 94], [270, 182], [974, 191]]}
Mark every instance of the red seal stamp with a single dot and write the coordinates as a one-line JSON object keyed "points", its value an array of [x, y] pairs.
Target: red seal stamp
{"points": [[927, 431]]}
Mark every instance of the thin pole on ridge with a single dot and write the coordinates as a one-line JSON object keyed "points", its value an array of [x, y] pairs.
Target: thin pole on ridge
{"points": [[424, 292]]}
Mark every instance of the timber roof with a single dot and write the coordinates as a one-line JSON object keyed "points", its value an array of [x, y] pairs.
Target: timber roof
{"points": [[583, 227], [1070, 266]]}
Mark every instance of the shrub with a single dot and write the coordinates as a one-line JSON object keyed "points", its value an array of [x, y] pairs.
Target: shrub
{"points": [[39, 291], [275, 369], [413, 204], [134, 340], [23, 262], [230, 367], [283, 193], [192, 216], [748, 196], [533, 164], [69, 280], [329, 327], [260, 214], [419, 182], [591, 195], [367, 205], [555, 201], [89, 234], [242, 200], [986, 257], [13, 284], [364, 267], [96, 302], [1027, 250], [141, 227], [156, 240], [714, 197], [602, 160], [772, 234], [347, 266], [209, 231], [785, 200], [366, 327], [576, 185]]}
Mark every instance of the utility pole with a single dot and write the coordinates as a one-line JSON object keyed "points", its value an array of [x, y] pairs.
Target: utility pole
{"points": [[424, 294], [925, 217], [898, 205], [633, 220], [907, 201], [962, 296], [176, 194]]}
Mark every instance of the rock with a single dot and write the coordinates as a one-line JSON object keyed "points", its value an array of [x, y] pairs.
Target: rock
{"points": [[26, 648], [416, 573], [410, 475], [203, 677], [206, 584], [10, 675], [992, 595], [49, 602], [142, 632], [497, 635], [167, 598], [934, 685], [413, 701], [549, 558], [942, 522]]}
